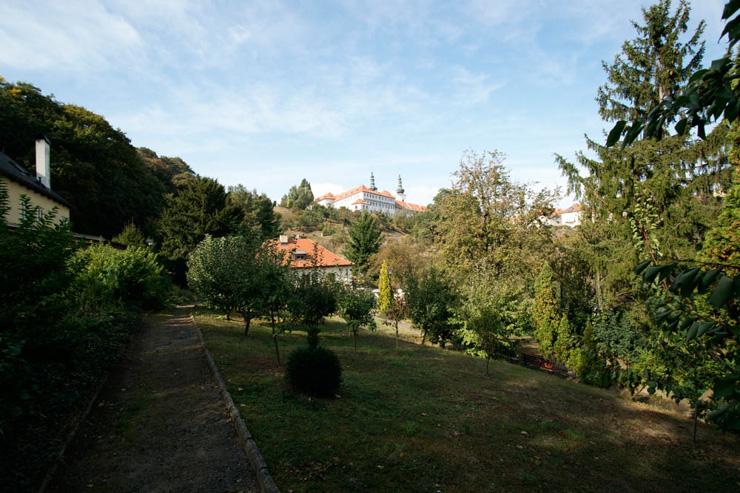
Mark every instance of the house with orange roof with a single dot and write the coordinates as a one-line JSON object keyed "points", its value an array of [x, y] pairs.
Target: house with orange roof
{"points": [[570, 216], [305, 255], [370, 199]]}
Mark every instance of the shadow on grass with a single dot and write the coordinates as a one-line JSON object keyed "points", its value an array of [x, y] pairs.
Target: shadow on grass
{"points": [[426, 419]]}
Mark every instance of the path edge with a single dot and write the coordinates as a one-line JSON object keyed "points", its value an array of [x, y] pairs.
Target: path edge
{"points": [[264, 478]]}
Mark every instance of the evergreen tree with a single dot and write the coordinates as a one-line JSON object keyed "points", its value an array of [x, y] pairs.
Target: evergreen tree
{"points": [[545, 310], [197, 209], [257, 211], [385, 290], [651, 191], [298, 197], [364, 241], [130, 236]]}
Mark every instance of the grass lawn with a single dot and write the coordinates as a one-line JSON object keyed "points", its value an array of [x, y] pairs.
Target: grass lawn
{"points": [[426, 419]]}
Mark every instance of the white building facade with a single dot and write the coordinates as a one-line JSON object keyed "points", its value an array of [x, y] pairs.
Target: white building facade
{"points": [[370, 199]]}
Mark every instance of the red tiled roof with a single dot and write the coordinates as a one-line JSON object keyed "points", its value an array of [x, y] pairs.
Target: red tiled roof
{"points": [[353, 191], [328, 195], [316, 255], [412, 207], [576, 207]]}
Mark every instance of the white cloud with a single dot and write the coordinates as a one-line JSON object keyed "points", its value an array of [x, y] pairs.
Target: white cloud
{"points": [[471, 87], [65, 36]]}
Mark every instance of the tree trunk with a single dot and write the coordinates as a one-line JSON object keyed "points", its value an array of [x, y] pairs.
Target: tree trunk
{"points": [[354, 334], [488, 362], [277, 348], [423, 337], [247, 323], [228, 316], [396, 335], [272, 323]]}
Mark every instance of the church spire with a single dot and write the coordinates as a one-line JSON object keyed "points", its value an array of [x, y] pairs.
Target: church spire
{"points": [[372, 182], [400, 191]]}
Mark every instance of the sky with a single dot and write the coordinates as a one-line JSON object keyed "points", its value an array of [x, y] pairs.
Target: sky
{"points": [[264, 93]]}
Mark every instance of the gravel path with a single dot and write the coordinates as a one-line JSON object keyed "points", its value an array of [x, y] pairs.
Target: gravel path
{"points": [[160, 425]]}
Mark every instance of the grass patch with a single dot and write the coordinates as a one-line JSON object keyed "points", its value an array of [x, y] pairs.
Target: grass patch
{"points": [[426, 419]]}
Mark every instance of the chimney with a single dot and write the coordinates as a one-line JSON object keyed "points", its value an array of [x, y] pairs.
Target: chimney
{"points": [[43, 161], [283, 239]]}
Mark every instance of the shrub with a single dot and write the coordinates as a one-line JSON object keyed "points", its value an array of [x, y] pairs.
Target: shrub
{"points": [[131, 276], [314, 371]]}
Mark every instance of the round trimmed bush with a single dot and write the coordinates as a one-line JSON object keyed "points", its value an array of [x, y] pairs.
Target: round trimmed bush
{"points": [[314, 371]]}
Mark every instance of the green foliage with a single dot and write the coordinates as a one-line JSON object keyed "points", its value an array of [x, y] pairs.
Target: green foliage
{"points": [[104, 274], [312, 298], [431, 300], [488, 315], [298, 197], [545, 310], [355, 307], [385, 289], [256, 210], [712, 94], [314, 371], [197, 209], [65, 316], [226, 273], [364, 241], [130, 236], [488, 220], [94, 166], [561, 348]]}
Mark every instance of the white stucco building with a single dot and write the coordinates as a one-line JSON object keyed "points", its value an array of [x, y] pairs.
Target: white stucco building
{"points": [[363, 198], [570, 217]]}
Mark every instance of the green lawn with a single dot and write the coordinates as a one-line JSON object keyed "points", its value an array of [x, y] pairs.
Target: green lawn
{"points": [[426, 419]]}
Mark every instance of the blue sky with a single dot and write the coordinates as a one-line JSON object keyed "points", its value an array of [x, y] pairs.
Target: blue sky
{"points": [[265, 93]]}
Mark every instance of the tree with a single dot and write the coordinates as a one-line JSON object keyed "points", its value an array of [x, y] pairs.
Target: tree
{"points": [[405, 258], [225, 273], [711, 95], [364, 241], [658, 191], [275, 287], [487, 315], [431, 300], [355, 307], [169, 170], [397, 311], [257, 211], [385, 290], [313, 297], [130, 236], [94, 166], [298, 197], [545, 310], [197, 209]]}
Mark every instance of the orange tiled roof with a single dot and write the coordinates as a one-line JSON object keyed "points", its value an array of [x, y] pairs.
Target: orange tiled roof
{"points": [[328, 195], [316, 255], [359, 201], [576, 207], [412, 207], [353, 191]]}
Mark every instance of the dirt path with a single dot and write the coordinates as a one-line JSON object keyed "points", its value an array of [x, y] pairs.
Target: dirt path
{"points": [[160, 425]]}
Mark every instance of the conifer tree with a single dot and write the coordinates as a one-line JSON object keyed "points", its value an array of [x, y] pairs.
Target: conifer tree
{"points": [[364, 241], [673, 177], [385, 290], [545, 310]]}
